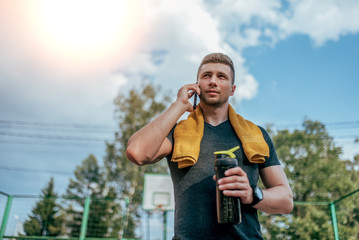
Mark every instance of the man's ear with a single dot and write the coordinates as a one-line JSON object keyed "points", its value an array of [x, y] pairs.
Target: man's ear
{"points": [[233, 89]]}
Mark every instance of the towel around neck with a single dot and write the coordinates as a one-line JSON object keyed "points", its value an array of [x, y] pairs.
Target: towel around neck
{"points": [[188, 135]]}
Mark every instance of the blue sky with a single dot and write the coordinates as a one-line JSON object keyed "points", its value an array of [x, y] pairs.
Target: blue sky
{"points": [[300, 80], [294, 60]]}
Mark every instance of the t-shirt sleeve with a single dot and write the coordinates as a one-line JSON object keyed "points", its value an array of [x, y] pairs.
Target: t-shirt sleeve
{"points": [[273, 158], [170, 137], [170, 134]]}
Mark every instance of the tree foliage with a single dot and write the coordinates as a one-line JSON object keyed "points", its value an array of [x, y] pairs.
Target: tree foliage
{"points": [[45, 219], [105, 218], [316, 173], [133, 111]]}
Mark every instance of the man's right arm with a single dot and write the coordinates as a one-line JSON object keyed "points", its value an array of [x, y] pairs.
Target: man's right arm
{"points": [[150, 143]]}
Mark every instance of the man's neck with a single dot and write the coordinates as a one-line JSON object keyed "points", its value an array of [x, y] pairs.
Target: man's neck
{"points": [[215, 115]]}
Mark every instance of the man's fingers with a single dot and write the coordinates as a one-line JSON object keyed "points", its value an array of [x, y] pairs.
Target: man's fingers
{"points": [[233, 186], [191, 93], [194, 88], [236, 184], [189, 90], [241, 190], [230, 179], [235, 193], [235, 171]]}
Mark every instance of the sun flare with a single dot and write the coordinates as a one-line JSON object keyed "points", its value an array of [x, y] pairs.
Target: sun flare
{"points": [[85, 28]]}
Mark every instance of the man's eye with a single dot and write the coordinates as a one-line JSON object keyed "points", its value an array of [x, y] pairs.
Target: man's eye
{"points": [[222, 77], [206, 75]]}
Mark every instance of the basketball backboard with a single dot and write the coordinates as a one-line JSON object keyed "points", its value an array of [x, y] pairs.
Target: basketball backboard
{"points": [[158, 192]]}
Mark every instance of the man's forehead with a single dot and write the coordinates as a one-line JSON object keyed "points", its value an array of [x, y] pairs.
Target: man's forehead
{"points": [[215, 67]]}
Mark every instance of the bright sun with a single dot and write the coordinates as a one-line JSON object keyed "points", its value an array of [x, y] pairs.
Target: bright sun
{"points": [[85, 28]]}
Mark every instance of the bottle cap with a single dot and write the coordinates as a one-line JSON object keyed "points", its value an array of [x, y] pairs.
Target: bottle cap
{"points": [[228, 152]]}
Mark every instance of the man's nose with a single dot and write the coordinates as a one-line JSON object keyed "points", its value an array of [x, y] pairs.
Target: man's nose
{"points": [[213, 81]]}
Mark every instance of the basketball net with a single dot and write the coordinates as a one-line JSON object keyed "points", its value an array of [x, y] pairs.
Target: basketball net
{"points": [[159, 208]]}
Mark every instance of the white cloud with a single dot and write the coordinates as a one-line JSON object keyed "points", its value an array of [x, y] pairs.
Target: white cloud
{"points": [[321, 20], [171, 40], [248, 87], [256, 22], [185, 31]]}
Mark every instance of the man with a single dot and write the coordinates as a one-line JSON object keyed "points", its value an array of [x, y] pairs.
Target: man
{"points": [[193, 179]]}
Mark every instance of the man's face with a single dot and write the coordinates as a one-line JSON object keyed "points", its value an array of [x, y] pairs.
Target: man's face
{"points": [[215, 82]]}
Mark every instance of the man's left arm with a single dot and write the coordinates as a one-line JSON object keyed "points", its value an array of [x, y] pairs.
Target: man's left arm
{"points": [[277, 195]]}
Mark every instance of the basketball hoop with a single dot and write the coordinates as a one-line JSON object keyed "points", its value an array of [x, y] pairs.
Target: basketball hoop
{"points": [[158, 196], [159, 208], [158, 193]]}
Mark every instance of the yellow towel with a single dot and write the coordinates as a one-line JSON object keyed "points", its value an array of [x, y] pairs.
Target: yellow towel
{"points": [[189, 133], [187, 139]]}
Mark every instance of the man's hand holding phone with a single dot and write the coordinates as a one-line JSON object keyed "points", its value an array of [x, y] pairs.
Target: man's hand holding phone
{"points": [[186, 92]]}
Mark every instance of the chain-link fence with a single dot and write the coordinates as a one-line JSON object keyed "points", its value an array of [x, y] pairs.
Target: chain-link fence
{"points": [[65, 218], [32, 217], [338, 219]]}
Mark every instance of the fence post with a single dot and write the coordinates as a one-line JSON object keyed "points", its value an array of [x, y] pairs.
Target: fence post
{"points": [[334, 221], [84, 218], [165, 225], [6, 216], [334, 217], [125, 221]]}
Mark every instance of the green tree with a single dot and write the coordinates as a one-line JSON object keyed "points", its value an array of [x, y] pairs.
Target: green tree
{"points": [[45, 219], [349, 211], [316, 173], [105, 215], [133, 111]]}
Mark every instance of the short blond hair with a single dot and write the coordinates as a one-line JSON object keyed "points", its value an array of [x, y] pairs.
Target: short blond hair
{"points": [[218, 58]]}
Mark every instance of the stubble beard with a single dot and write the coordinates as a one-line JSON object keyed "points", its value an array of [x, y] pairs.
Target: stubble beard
{"points": [[213, 102]]}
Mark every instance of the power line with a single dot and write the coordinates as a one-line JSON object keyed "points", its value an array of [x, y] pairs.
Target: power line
{"points": [[95, 139], [54, 143], [31, 170], [58, 125], [54, 137], [346, 136], [339, 124], [112, 127], [57, 129], [69, 128]]}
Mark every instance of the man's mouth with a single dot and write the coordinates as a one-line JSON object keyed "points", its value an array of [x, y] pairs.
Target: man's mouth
{"points": [[212, 92]]}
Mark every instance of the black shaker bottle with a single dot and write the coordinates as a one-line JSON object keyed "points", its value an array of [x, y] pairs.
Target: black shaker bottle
{"points": [[228, 208]]}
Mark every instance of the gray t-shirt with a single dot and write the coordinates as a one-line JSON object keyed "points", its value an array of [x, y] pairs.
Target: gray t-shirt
{"points": [[195, 189]]}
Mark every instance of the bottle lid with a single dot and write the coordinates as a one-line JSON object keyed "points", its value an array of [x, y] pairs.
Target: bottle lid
{"points": [[228, 152]]}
